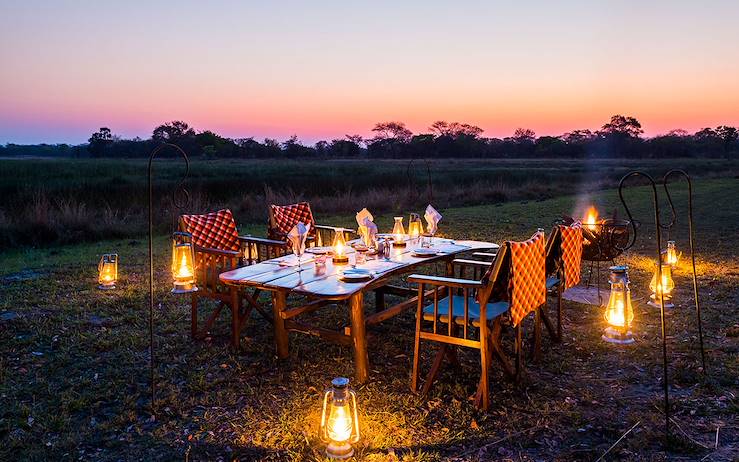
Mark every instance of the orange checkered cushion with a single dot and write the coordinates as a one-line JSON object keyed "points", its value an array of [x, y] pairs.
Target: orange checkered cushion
{"points": [[215, 230], [527, 284], [572, 253], [287, 216]]}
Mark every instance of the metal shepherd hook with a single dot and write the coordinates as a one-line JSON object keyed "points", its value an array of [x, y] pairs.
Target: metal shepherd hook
{"points": [[692, 251], [665, 380], [179, 205]]}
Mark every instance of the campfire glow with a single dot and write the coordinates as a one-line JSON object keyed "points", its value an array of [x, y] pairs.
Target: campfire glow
{"points": [[590, 220]]}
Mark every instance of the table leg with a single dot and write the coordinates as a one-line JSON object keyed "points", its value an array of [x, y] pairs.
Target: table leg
{"points": [[379, 300], [235, 321], [359, 337], [279, 303]]}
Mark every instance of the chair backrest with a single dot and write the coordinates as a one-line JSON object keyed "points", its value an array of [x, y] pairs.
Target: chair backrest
{"points": [[215, 230], [282, 219], [518, 277], [571, 253], [527, 282]]}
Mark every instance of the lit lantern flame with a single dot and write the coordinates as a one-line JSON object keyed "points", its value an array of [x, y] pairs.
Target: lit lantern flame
{"points": [[183, 266], [108, 271], [671, 256], [415, 227], [619, 313], [339, 247], [183, 271], [398, 232], [662, 289], [339, 420], [590, 220], [340, 423]]}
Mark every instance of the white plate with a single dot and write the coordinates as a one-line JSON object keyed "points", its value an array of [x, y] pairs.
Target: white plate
{"points": [[356, 275], [318, 250], [424, 253]]}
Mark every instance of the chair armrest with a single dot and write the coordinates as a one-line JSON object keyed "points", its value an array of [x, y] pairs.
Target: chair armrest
{"points": [[478, 263], [485, 254], [444, 281], [218, 252], [260, 240]]}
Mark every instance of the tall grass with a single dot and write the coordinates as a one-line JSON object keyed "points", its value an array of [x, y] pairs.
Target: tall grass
{"points": [[64, 201]]}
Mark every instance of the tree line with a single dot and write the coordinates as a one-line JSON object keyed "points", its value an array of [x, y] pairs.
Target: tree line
{"points": [[621, 137]]}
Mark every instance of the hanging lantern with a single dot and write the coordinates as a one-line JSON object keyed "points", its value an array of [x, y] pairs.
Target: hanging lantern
{"points": [[662, 290], [398, 233], [339, 420], [415, 227], [108, 271], [183, 266], [619, 313], [339, 248], [670, 256]]}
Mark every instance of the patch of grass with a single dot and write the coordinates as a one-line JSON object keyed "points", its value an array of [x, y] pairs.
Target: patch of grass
{"points": [[73, 388], [66, 201]]}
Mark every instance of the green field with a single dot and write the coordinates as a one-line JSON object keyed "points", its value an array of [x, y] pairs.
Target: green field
{"points": [[64, 201], [74, 377]]}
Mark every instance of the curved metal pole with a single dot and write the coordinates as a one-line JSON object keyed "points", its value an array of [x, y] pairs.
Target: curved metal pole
{"points": [[180, 187], [692, 253], [659, 278]]}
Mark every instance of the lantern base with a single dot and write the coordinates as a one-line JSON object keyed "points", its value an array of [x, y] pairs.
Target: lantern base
{"points": [[398, 243], [613, 335], [340, 260], [184, 288], [339, 450], [654, 302], [106, 286]]}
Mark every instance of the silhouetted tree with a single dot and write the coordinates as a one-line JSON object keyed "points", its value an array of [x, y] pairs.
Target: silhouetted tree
{"points": [[622, 125], [99, 141], [524, 135]]}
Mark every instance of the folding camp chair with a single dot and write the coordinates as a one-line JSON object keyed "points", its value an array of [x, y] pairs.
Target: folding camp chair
{"points": [[512, 288], [219, 248], [563, 257]]}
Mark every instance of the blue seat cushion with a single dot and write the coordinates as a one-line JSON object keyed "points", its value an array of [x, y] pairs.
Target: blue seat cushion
{"points": [[552, 282], [493, 310]]}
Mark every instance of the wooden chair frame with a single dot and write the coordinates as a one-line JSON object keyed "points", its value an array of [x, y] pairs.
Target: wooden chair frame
{"points": [[209, 264], [457, 331]]}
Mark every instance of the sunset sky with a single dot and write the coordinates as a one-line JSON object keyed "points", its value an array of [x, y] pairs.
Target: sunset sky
{"points": [[323, 69]]}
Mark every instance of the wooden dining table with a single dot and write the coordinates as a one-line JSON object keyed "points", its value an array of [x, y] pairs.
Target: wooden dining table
{"points": [[323, 284]]}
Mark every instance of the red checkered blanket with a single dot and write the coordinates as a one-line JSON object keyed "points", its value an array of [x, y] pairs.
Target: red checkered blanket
{"points": [[287, 216], [215, 230], [571, 253], [527, 283]]}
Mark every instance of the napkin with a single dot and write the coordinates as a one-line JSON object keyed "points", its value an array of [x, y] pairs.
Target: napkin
{"points": [[297, 237], [432, 218], [369, 232], [362, 216]]}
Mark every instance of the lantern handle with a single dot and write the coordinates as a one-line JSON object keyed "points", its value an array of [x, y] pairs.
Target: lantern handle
{"points": [[665, 378], [180, 206], [691, 239], [322, 429], [355, 437]]}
